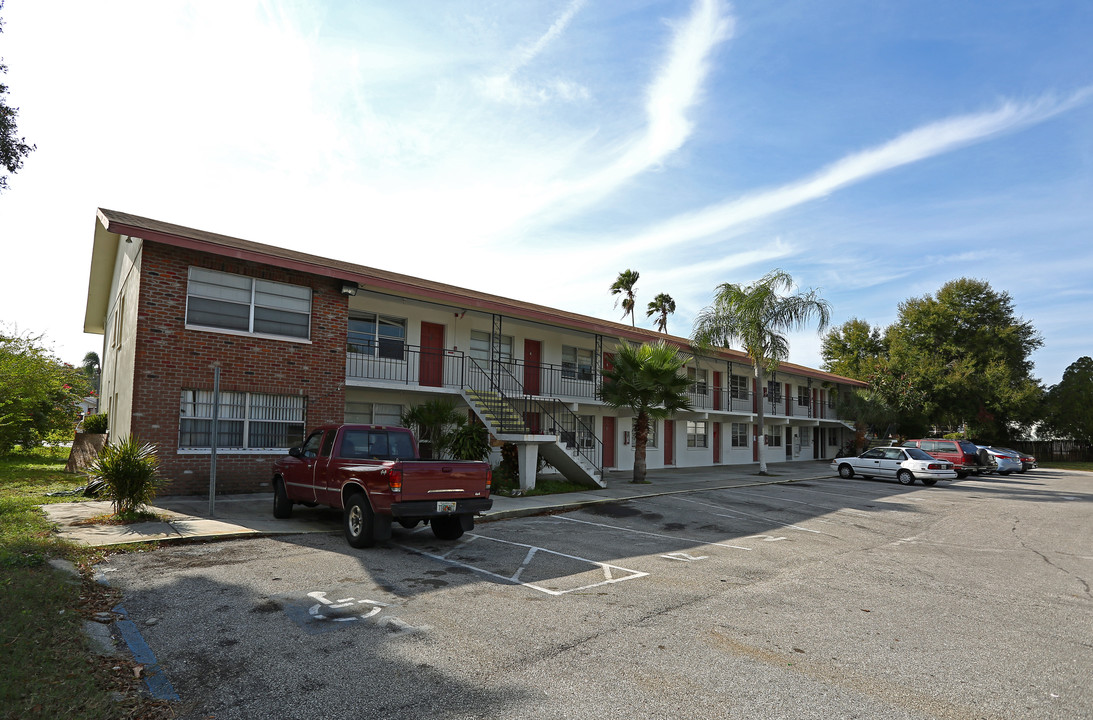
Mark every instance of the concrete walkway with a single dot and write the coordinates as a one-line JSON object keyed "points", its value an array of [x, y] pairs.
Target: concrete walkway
{"points": [[188, 517]]}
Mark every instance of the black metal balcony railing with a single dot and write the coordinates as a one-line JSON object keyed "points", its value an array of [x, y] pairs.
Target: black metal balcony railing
{"points": [[428, 367]]}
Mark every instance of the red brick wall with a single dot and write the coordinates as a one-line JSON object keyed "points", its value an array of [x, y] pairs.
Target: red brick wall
{"points": [[170, 358]]}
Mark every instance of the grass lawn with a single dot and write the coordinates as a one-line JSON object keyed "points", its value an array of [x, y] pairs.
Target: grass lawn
{"points": [[1083, 466], [49, 669]]}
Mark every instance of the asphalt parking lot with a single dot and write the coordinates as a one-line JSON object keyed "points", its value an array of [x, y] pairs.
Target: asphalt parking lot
{"points": [[824, 598]]}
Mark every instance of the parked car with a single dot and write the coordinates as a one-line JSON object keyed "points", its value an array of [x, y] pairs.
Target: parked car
{"points": [[966, 457], [374, 474], [1007, 460], [1028, 462], [904, 464]]}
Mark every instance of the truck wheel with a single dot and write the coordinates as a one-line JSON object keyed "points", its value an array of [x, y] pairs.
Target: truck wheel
{"points": [[282, 506], [359, 520], [447, 527]]}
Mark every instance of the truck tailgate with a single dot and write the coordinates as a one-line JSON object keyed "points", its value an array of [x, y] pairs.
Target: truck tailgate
{"points": [[443, 479]]}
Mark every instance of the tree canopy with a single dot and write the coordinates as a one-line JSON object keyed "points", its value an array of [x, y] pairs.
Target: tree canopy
{"points": [[959, 359], [661, 306], [648, 380], [758, 316], [13, 149], [853, 349], [1068, 406], [626, 286], [39, 394]]}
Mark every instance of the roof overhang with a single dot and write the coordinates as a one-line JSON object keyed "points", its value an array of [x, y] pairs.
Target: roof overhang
{"points": [[103, 258]]}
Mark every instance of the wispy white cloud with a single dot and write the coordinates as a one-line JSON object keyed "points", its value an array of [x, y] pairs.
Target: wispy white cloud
{"points": [[913, 146], [503, 87]]}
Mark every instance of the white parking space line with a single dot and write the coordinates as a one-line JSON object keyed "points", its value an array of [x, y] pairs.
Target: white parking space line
{"points": [[834, 508], [652, 534], [741, 513], [610, 572]]}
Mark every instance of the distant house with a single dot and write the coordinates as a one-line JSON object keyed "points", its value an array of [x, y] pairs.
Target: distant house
{"points": [[302, 340]]}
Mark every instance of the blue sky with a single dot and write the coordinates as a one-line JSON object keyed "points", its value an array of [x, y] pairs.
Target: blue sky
{"points": [[535, 149]]}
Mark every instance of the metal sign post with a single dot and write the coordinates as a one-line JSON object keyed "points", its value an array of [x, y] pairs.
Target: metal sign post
{"points": [[212, 443]]}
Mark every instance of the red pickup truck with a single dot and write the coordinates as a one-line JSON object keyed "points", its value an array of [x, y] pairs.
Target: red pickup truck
{"points": [[373, 473]]}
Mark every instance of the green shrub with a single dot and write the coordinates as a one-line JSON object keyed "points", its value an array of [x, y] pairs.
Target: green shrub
{"points": [[95, 424], [130, 470], [469, 441]]}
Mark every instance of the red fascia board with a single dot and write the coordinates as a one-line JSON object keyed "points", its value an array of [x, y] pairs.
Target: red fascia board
{"points": [[369, 281]]}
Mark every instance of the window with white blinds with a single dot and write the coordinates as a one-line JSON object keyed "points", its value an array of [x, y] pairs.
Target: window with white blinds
{"points": [[226, 301], [246, 421]]}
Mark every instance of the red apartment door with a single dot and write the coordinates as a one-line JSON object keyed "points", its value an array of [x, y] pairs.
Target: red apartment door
{"points": [[717, 442], [669, 442], [432, 354], [609, 442], [532, 353]]}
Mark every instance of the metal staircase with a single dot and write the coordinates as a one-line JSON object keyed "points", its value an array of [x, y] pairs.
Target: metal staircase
{"points": [[519, 419]]}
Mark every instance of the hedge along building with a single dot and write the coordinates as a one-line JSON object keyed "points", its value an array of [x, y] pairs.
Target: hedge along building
{"points": [[302, 340]]}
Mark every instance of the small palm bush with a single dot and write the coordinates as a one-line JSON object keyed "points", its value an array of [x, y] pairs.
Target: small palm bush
{"points": [[96, 424], [130, 470]]}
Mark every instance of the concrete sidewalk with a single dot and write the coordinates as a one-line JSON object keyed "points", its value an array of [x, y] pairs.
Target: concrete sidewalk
{"points": [[188, 517]]}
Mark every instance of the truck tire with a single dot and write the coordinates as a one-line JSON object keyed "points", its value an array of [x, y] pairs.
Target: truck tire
{"points": [[359, 520], [447, 527], [282, 506]]}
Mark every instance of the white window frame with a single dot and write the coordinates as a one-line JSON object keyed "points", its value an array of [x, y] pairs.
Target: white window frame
{"points": [[738, 387], [254, 294], [373, 343], [247, 410], [740, 431], [476, 351], [572, 366], [698, 430], [369, 413], [774, 435], [698, 378]]}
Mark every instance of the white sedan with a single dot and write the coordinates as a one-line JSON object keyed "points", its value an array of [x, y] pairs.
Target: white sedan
{"points": [[904, 464]]}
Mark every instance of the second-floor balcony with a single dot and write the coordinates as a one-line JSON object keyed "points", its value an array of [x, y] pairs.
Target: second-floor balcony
{"points": [[403, 364]]}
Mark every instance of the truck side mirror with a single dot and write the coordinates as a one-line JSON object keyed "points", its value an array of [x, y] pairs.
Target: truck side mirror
{"points": [[296, 452]]}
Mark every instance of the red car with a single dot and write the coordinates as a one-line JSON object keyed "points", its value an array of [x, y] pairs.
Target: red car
{"points": [[966, 457]]}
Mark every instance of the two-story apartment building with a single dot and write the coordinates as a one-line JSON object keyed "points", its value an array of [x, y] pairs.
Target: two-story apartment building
{"points": [[300, 340]]}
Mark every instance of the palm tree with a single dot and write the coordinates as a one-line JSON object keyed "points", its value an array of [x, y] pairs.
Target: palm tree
{"points": [[757, 316], [647, 379], [662, 306], [432, 423], [91, 368], [624, 286]]}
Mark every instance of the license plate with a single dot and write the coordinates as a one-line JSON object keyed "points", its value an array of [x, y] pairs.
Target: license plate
{"points": [[445, 507]]}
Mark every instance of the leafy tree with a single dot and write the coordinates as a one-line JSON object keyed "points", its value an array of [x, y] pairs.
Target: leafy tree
{"points": [[853, 350], [968, 353], [1068, 406], [39, 394], [625, 285], [12, 147], [649, 380], [662, 306], [757, 316]]}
